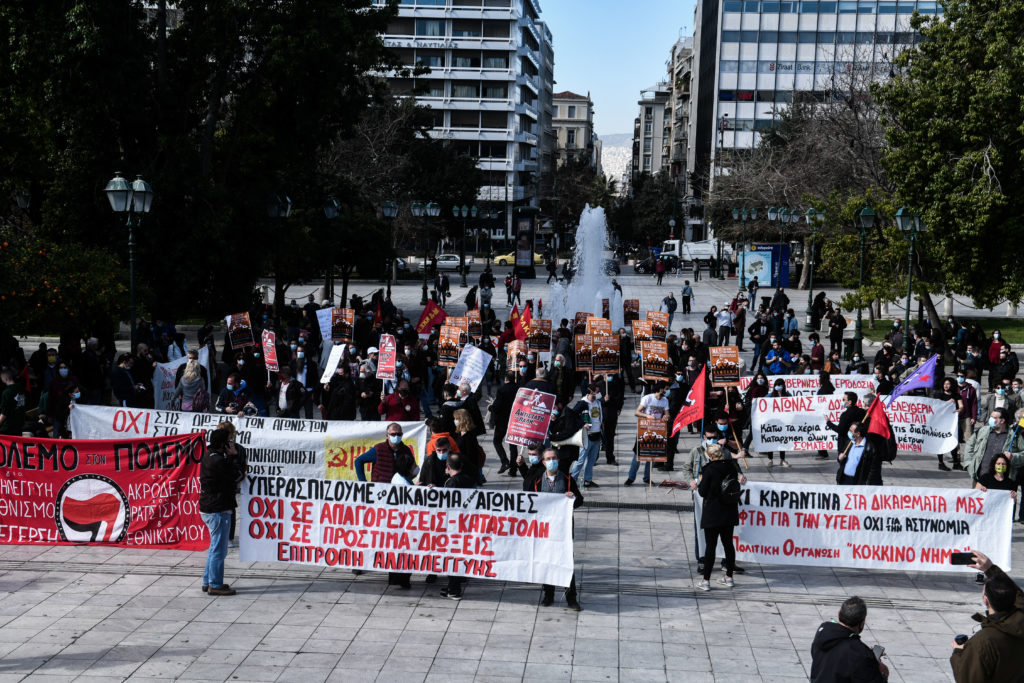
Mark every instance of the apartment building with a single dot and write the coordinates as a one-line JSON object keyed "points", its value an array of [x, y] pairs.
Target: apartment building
{"points": [[574, 128], [652, 131]]}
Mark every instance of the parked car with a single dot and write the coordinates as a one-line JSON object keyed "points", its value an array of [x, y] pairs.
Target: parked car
{"points": [[646, 266], [510, 259], [447, 262]]}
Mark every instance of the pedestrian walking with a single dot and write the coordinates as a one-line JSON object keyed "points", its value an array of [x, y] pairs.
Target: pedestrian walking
{"points": [[669, 305], [659, 270], [687, 296]]}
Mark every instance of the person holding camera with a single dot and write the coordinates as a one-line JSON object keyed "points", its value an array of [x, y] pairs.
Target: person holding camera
{"points": [[996, 652], [839, 655]]}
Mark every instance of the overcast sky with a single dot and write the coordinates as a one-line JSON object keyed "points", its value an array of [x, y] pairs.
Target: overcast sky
{"points": [[614, 49]]}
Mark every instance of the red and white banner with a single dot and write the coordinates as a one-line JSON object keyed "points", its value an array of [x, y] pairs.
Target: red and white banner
{"points": [[269, 340], [808, 385], [869, 527], [387, 354], [921, 425], [530, 417], [507, 536], [133, 493]]}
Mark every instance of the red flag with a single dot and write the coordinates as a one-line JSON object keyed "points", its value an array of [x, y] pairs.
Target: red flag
{"points": [[517, 323], [693, 410], [527, 320], [878, 421], [378, 316]]}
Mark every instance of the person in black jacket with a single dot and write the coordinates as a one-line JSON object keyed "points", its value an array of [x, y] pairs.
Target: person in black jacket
{"points": [[851, 413], [550, 479], [217, 476], [340, 395], [719, 514], [862, 465], [501, 408], [614, 398], [457, 479], [838, 654]]}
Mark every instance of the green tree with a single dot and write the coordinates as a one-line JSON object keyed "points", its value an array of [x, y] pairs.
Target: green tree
{"points": [[956, 137]]}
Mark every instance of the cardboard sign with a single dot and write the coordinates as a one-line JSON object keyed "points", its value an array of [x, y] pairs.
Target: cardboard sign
{"points": [[580, 322], [323, 321], [539, 336], [342, 323], [461, 322], [515, 351], [643, 330], [531, 415], [605, 356], [476, 328], [448, 346], [725, 366], [630, 310], [584, 352], [132, 492], [240, 331], [654, 361], [269, 350], [651, 440], [333, 361], [472, 366], [432, 316], [659, 324], [387, 354], [599, 326]]}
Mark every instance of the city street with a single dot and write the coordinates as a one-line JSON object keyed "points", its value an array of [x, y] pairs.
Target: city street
{"points": [[94, 614]]}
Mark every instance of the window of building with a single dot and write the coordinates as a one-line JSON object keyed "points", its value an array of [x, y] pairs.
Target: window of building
{"points": [[430, 27], [807, 37], [495, 60], [431, 59], [493, 119], [730, 36], [647, 162], [808, 8], [648, 112], [866, 7], [748, 36], [462, 60], [570, 136], [465, 119], [466, 28], [493, 150], [748, 66], [887, 8], [826, 8], [787, 36], [733, 6], [430, 88], [648, 128], [647, 144], [847, 6], [496, 91], [466, 90], [769, 36], [496, 29], [729, 66]]}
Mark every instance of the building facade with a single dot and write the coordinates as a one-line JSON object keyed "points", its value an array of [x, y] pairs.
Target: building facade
{"points": [[574, 128], [490, 88], [652, 131]]}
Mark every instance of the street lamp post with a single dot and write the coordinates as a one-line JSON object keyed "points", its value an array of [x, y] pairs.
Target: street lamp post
{"points": [[426, 212], [133, 200], [390, 210], [331, 209], [814, 225], [743, 215], [865, 221], [910, 225], [463, 212]]}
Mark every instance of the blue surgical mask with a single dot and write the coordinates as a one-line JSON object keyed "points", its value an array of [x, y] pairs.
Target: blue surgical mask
{"points": [[442, 456], [851, 436], [63, 372], [554, 412], [992, 422], [680, 378], [960, 380], [551, 465], [722, 428], [1000, 391], [534, 459], [395, 439], [77, 395], [300, 354], [708, 442]]}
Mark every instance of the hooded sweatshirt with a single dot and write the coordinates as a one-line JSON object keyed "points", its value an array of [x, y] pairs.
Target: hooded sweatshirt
{"points": [[839, 656]]}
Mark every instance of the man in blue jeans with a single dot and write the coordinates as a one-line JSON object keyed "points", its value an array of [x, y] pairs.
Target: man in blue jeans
{"points": [[589, 408], [217, 476]]}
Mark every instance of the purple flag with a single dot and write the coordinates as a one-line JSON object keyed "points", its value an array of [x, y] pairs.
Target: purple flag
{"points": [[922, 378]]}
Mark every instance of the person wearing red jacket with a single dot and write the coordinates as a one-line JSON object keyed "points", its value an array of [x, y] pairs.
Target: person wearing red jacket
{"points": [[400, 406]]}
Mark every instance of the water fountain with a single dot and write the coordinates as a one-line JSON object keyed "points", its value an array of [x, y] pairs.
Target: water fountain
{"points": [[591, 283]]}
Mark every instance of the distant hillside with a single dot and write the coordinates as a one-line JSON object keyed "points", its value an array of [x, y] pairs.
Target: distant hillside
{"points": [[616, 153]]}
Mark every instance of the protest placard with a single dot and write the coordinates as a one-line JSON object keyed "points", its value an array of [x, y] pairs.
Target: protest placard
{"points": [[300, 448], [642, 331], [659, 325], [584, 352], [240, 331], [808, 385], [472, 366], [630, 310], [654, 361], [530, 417], [475, 326], [333, 360], [651, 440], [448, 346], [538, 338], [164, 387], [515, 351], [797, 423], [342, 324], [605, 354], [869, 527], [598, 326], [725, 366], [269, 340], [580, 322], [140, 492], [387, 354]]}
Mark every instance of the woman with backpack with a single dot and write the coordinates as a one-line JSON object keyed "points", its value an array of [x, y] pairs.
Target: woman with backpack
{"points": [[720, 513]]}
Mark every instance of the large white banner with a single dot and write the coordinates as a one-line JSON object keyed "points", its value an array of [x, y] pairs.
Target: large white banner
{"points": [[870, 527], [163, 382], [808, 385], [502, 535], [921, 425], [472, 366], [275, 446]]}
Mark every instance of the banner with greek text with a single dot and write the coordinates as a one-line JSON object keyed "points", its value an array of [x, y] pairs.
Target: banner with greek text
{"points": [[132, 493], [869, 527], [808, 385], [163, 382], [921, 425], [501, 535], [275, 446]]}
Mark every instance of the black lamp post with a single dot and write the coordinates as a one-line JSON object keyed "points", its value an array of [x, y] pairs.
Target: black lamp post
{"points": [[814, 219], [911, 226], [390, 210], [133, 200], [865, 221], [743, 215], [463, 212], [425, 212]]}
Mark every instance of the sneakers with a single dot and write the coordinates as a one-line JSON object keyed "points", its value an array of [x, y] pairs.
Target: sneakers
{"points": [[223, 590], [451, 595], [591, 485], [727, 581], [704, 586], [785, 463]]}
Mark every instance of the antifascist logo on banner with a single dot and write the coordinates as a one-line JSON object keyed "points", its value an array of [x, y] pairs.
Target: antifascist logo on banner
{"points": [[91, 508]]}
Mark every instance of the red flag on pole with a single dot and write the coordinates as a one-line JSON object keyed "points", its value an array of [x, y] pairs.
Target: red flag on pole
{"points": [[693, 409], [378, 315], [517, 322], [878, 421]]}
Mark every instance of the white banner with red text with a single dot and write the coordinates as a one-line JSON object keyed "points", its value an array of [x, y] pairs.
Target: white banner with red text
{"points": [[274, 446], [808, 385], [477, 533], [869, 527], [921, 425]]}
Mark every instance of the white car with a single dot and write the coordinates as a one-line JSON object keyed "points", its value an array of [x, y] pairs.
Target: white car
{"points": [[446, 262]]}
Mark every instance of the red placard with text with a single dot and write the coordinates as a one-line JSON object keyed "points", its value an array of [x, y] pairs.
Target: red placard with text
{"points": [[269, 340], [133, 493], [386, 356], [530, 417]]}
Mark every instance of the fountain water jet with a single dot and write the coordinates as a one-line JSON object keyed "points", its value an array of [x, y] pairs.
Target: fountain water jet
{"points": [[591, 283]]}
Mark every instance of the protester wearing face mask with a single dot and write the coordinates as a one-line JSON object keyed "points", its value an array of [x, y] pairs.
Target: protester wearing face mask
{"points": [[382, 456], [551, 480], [1001, 397], [994, 652], [654, 406], [59, 398], [778, 391], [529, 464], [234, 397], [501, 409], [1006, 368], [989, 441], [590, 409]]}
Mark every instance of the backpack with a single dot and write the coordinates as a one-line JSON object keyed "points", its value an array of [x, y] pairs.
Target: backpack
{"points": [[730, 492], [200, 401]]}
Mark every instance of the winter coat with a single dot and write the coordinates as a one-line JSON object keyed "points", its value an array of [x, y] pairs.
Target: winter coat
{"points": [[717, 512], [996, 652], [839, 656]]}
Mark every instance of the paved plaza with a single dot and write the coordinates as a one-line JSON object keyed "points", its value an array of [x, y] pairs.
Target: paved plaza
{"points": [[94, 614]]}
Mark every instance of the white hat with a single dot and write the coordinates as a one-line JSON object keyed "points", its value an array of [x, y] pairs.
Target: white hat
{"points": [[372, 349]]}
